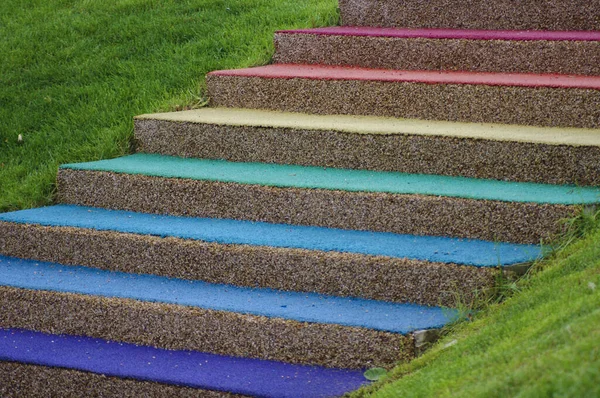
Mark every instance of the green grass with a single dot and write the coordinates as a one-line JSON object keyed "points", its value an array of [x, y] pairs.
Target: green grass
{"points": [[543, 341], [74, 73]]}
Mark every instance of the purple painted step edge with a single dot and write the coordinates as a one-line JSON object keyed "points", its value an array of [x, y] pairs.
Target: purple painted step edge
{"points": [[194, 369]]}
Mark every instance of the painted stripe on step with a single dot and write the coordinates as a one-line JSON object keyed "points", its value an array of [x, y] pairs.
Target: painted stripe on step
{"points": [[185, 368], [460, 34], [292, 176], [324, 72], [381, 125], [224, 231], [296, 306]]}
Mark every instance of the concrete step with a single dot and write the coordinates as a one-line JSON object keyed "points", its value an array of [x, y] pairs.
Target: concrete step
{"points": [[510, 98], [178, 314], [442, 49], [490, 151], [422, 269], [395, 202], [473, 14], [38, 364]]}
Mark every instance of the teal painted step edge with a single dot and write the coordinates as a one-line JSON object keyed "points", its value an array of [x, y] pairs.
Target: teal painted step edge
{"points": [[293, 176]]}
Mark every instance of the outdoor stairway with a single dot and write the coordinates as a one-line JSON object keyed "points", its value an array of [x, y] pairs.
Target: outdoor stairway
{"points": [[322, 217]]}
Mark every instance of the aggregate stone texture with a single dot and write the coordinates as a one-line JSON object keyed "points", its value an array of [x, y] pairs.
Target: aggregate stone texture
{"points": [[186, 328], [473, 14], [539, 106], [404, 214], [342, 274], [565, 57], [440, 155], [19, 380]]}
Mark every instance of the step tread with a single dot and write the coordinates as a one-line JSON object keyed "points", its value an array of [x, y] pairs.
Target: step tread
{"points": [[296, 306], [438, 33], [224, 231], [282, 175], [326, 72], [381, 125], [194, 369]]}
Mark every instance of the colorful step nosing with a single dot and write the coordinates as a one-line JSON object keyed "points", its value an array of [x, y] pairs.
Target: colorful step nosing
{"points": [[440, 33], [297, 306], [324, 72], [436, 249], [310, 177], [185, 368]]}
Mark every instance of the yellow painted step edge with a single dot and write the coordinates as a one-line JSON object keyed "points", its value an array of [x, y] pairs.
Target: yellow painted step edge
{"points": [[383, 126]]}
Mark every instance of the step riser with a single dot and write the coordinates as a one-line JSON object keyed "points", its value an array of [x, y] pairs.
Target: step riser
{"points": [[21, 380], [566, 57], [186, 328], [404, 214], [341, 274], [407, 153], [473, 14], [540, 106]]}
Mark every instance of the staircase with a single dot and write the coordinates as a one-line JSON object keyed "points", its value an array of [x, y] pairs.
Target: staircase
{"points": [[324, 215]]}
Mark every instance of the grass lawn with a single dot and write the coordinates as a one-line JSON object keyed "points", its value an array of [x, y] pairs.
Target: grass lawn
{"points": [[73, 73], [544, 341]]}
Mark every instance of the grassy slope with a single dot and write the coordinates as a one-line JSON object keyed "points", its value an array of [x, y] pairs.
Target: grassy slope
{"points": [[544, 341], [73, 73]]}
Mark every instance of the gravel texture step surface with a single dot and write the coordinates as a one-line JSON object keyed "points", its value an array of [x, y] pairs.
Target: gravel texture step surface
{"points": [[565, 52], [473, 14], [183, 368], [435, 249], [493, 151], [24, 380], [293, 176], [508, 98], [301, 307]]}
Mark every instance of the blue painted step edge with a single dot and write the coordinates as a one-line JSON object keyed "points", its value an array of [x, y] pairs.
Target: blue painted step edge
{"points": [[194, 369], [473, 252], [302, 307]]}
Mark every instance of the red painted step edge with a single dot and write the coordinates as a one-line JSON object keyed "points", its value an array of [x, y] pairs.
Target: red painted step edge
{"points": [[322, 72], [465, 34]]}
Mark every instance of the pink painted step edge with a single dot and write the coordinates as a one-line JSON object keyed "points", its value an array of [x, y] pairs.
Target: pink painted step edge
{"points": [[518, 35], [322, 72]]}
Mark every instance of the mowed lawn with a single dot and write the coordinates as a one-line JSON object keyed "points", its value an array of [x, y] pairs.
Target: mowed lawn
{"points": [[73, 73], [543, 341]]}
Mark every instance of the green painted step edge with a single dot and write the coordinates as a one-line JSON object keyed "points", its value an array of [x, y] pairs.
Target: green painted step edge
{"points": [[382, 126], [278, 175]]}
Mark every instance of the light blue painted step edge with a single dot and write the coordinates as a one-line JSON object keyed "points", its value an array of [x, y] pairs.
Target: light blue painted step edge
{"points": [[224, 231], [302, 307]]}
